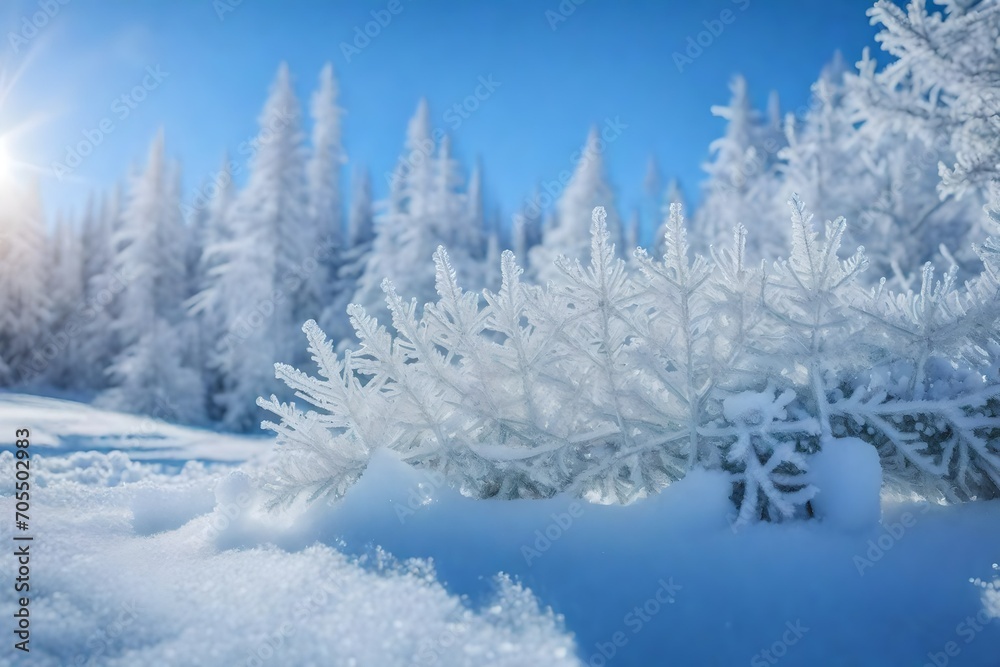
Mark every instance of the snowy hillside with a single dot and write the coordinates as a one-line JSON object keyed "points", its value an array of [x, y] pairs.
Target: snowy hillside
{"points": [[136, 562]]}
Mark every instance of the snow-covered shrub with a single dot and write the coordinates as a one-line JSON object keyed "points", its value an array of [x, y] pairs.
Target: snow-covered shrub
{"points": [[609, 384]]}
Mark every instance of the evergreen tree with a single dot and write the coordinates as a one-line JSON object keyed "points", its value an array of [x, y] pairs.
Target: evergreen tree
{"points": [[526, 232], [149, 376], [25, 304], [324, 199], [98, 338], [569, 235], [355, 255], [428, 206], [263, 266], [206, 304], [741, 179], [61, 354]]}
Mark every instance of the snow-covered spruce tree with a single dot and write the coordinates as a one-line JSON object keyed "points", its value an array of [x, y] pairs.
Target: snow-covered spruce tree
{"points": [[323, 192], [526, 230], [481, 227], [60, 352], [263, 265], [205, 304], [821, 162], [101, 288], [353, 257], [742, 180], [609, 385], [25, 305], [941, 92], [943, 83], [588, 187], [427, 206], [149, 375]]}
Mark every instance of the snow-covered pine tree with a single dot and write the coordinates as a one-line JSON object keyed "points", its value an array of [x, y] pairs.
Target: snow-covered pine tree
{"points": [[677, 351], [651, 207], [942, 84], [428, 206], [508, 429], [934, 110], [526, 231], [324, 200], [476, 212], [101, 289], [356, 250], [741, 180], [263, 265], [633, 231], [454, 220], [206, 305], [25, 304], [149, 375], [587, 188], [61, 352], [821, 163], [400, 244]]}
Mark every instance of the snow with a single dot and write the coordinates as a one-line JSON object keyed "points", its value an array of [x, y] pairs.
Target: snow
{"points": [[140, 562], [848, 476], [62, 426], [125, 572]]}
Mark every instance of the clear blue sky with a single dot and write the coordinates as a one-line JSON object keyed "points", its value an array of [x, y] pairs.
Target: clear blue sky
{"points": [[606, 60]]}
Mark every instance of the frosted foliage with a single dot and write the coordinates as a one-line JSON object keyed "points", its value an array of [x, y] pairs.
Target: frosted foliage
{"points": [[609, 384], [943, 83]]}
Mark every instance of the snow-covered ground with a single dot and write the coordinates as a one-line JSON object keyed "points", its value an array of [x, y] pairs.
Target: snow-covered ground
{"points": [[142, 558]]}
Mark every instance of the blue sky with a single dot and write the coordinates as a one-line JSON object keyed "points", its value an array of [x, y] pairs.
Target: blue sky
{"points": [[216, 59]]}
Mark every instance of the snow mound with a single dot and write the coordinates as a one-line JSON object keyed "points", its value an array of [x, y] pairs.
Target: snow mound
{"points": [[107, 593], [848, 477]]}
